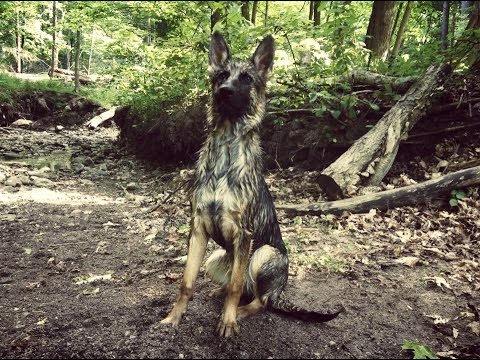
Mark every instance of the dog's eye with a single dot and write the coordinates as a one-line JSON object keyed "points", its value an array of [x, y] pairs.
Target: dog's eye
{"points": [[245, 78], [223, 76]]}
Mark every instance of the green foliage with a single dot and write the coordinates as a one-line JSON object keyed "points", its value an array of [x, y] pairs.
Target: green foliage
{"points": [[155, 53], [455, 196], [419, 351]]}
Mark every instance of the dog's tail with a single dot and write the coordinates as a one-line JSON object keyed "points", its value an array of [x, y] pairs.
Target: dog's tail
{"points": [[285, 307]]}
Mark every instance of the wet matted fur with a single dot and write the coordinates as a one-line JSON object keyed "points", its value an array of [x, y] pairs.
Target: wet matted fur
{"points": [[230, 200]]}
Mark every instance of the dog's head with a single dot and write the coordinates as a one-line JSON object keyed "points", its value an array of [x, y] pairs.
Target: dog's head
{"points": [[238, 86]]}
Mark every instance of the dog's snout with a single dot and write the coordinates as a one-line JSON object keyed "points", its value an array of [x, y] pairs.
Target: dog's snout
{"points": [[226, 92]]}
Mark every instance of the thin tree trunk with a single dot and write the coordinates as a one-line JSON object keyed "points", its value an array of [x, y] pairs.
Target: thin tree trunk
{"points": [[246, 10], [401, 29], [397, 17], [310, 11], [77, 62], [446, 11], [316, 13], [54, 62], [453, 25], [91, 54], [19, 43], [254, 12], [266, 13]]}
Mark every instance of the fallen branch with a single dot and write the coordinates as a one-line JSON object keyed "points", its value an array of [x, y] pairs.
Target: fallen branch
{"points": [[408, 195], [363, 77], [94, 122], [369, 159]]}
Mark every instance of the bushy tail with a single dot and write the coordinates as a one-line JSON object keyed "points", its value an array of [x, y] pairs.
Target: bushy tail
{"points": [[284, 307]]}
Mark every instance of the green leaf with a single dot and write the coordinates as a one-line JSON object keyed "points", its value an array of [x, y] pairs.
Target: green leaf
{"points": [[374, 107], [460, 195], [419, 351], [335, 113], [453, 202], [27, 251]]}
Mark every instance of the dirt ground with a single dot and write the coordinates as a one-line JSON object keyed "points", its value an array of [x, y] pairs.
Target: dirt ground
{"points": [[88, 271]]}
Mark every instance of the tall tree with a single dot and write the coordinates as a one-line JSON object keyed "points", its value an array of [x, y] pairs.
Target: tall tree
{"points": [[77, 60], [379, 28], [316, 13], [54, 62], [401, 29], [445, 16], [266, 14], [18, 38], [254, 12], [246, 10]]}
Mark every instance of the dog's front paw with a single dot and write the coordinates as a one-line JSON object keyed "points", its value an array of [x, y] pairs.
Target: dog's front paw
{"points": [[227, 329], [173, 318]]}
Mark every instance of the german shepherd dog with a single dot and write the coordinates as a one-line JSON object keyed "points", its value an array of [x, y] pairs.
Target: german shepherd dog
{"points": [[231, 203]]}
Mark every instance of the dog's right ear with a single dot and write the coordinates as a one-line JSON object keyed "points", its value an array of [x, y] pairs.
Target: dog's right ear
{"points": [[219, 53]]}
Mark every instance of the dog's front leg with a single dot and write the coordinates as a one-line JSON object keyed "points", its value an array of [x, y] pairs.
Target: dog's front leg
{"points": [[228, 322], [196, 251]]}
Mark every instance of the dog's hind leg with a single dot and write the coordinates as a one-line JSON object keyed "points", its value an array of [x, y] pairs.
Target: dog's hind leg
{"points": [[196, 250], [267, 275]]}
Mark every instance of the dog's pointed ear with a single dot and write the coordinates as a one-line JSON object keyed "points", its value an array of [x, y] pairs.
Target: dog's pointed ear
{"points": [[219, 54], [263, 56]]}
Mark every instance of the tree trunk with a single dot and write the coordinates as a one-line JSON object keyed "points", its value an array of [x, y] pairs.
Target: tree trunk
{"points": [[310, 11], [401, 29], [379, 28], [408, 195], [246, 10], [369, 159], [474, 23], [54, 62], [90, 56], [254, 12], [397, 17], [453, 25], [77, 62], [18, 36], [266, 13], [316, 13], [446, 11]]}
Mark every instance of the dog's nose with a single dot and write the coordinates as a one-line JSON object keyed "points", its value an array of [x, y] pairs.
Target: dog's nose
{"points": [[226, 92]]}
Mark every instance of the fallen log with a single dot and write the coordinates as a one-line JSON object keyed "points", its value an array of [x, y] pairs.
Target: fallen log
{"points": [[96, 121], [405, 196], [363, 77], [369, 159]]}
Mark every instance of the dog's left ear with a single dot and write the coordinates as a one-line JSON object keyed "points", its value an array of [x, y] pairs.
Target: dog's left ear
{"points": [[263, 56], [219, 53]]}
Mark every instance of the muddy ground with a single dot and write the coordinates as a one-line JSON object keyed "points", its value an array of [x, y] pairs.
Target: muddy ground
{"points": [[88, 271]]}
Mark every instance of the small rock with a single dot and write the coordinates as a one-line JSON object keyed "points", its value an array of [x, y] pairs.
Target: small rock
{"points": [[12, 156], [78, 167], [17, 180], [42, 182], [10, 189], [59, 128], [22, 123], [155, 249], [131, 186], [3, 177]]}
